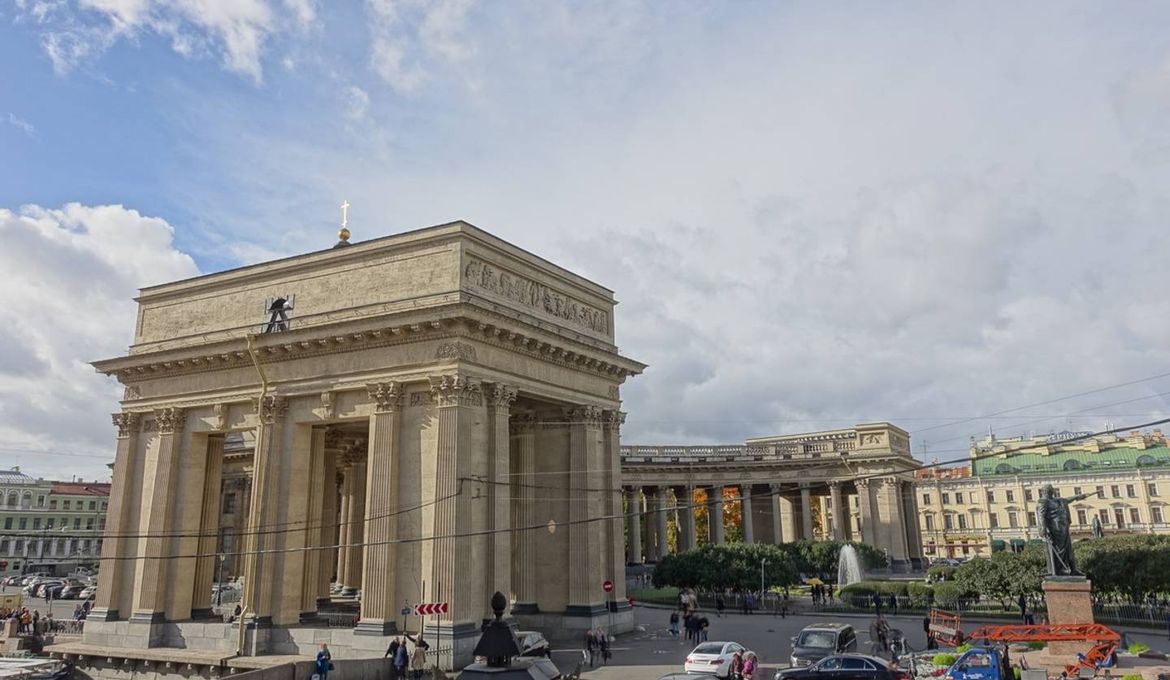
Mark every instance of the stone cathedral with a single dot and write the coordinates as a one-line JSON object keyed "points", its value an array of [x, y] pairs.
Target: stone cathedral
{"points": [[424, 418]]}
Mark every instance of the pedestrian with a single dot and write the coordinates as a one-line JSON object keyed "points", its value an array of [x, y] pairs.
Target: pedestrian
{"points": [[392, 654], [674, 625], [749, 666], [1168, 623], [590, 646], [719, 604], [1029, 617], [877, 604], [401, 659], [603, 643], [893, 605], [1023, 603], [883, 634], [735, 668], [77, 613], [324, 662], [703, 625], [830, 586], [418, 658]]}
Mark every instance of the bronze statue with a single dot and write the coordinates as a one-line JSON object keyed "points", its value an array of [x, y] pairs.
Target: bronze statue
{"points": [[1055, 521]]}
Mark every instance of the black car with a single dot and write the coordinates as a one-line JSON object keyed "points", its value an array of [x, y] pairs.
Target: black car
{"points": [[844, 667], [819, 640]]}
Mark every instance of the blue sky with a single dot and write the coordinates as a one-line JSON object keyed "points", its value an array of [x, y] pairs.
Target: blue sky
{"points": [[813, 213]]}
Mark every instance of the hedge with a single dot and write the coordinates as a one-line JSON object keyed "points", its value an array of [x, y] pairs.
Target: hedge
{"points": [[868, 588], [945, 660], [948, 592]]}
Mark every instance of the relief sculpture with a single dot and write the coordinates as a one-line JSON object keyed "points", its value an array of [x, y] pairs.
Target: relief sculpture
{"points": [[536, 295]]}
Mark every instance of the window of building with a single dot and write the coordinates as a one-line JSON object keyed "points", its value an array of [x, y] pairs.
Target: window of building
{"points": [[1152, 489], [12, 500], [930, 522], [229, 502], [52, 505], [1101, 491], [93, 505], [993, 520], [1103, 514], [990, 496], [101, 524], [3, 546], [1027, 495], [19, 546], [26, 501], [962, 521], [73, 545], [65, 504], [1031, 519], [1131, 490], [958, 498], [1115, 490], [1013, 519], [77, 523], [1156, 514], [946, 499], [1135, 516], [1055, 492], [7, 522], [1010, 495], [36, 522], [23, 523], [89, 523], [1082, 517], [49, 523], [947, 522], [1119, 515], [40, 501], [1076, 490], [104, 504]]}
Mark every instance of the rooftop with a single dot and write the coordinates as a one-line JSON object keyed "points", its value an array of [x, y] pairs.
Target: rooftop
{"points": [[1069, 453], [81, 489], [15, 477]]}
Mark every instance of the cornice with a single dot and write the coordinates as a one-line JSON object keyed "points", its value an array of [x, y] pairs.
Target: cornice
{"points": [[320, 341]]}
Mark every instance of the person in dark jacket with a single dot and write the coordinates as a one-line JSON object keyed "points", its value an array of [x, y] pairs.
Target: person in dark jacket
{"points": [[324, 661]]}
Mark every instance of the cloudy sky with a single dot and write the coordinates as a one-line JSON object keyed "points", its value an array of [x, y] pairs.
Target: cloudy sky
{"points": [[814, 213]]}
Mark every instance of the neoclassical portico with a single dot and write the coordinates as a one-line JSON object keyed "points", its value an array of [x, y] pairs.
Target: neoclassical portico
{"points": [[854, 484], [439, 420]]}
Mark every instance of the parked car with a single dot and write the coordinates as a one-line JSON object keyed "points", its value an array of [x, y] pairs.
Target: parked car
{"points": [[533, 643], [70, 592], [13, 580], [844, 667], [712, 657], [88, 593], [820, 640]]}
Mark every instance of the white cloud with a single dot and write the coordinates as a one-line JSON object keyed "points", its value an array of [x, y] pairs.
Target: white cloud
{"points": [[411, 38], [20, 124], [358, 102], [235, 30], [70, 275]]}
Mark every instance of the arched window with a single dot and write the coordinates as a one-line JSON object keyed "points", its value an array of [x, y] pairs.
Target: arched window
{"points": [[1004, 469], [26, 501], [1146, 460], [12, 499], [1072, 465]]}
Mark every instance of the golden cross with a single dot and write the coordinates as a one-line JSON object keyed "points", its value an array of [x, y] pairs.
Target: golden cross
{"points": [[344, 214]]}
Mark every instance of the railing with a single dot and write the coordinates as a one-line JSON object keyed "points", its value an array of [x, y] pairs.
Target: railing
{"points": [[635, 455], [338, 619], [67, 626]]}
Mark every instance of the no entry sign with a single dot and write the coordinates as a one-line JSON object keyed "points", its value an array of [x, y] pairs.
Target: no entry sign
{"points": [[607, 586], [430, 608]]}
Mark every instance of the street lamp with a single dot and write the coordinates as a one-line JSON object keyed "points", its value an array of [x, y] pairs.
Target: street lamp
{"points": [[762, 563], [219, 580]]}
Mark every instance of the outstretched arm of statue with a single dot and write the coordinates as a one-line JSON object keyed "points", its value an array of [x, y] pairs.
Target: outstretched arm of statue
{"points": [[1082, 496]]}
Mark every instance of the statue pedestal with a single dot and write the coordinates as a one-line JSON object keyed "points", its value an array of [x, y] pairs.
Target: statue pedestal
{"points": [[1068, 602]]}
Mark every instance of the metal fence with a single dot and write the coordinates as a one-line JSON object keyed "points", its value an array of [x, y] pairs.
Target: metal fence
{"points": [[338, 619]]}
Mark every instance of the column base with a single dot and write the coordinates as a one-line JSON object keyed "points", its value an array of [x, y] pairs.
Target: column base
{"points": [[257, 622], [309, 617], [147, 617], [618, 605], [347, 591], [102, 614], [323, 603], [375, 627], [589, 610], [525, 608], [203, 614]]}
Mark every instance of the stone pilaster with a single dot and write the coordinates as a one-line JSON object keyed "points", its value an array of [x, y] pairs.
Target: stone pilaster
{"points": [[314, 533], [206, 564], [157, 511], [379, 593], [344, 526], [527, 523], [662, 512], [616, 559], [500, 398], [806, 513], [715, 514], [634, 531], [745, 501], [259, 566], [585, 504], [115, 547], [837, 515]]}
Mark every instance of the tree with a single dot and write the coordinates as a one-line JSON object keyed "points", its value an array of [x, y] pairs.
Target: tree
{"points": [[732, 565], [1130, 566], [1005, 575]]}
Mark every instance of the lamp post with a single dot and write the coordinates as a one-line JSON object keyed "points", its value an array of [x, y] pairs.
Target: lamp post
{"points": [[762, 563], [219, 579]]}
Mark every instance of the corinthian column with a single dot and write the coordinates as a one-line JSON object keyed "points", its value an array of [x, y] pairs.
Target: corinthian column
{"points": [[585, 544], [356, 526], [112, 577], [527, 533], [615, 571], [330, 536], [259, 565], [663, 532], [157, 510], [499, 575], [380, 565], [835, 510], [634, 533], [745, 499], [208, 529], [715, 514], [867, 519], [684, 497]]}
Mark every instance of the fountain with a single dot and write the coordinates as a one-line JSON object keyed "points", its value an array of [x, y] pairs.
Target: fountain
{"points": [[848, 566]]}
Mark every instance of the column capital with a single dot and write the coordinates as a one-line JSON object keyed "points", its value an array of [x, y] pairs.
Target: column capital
{"points": [[270, 408], [613, 420], [220, 411], [499, 395], [456, 390], [334, 438], [834, 485], [126, 422], [170, 420], [524, 423], [776, 488], [584, 414], [387, 396]]}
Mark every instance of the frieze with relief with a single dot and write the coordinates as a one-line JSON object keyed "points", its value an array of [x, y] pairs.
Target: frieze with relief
{"points": [[535, 295]]}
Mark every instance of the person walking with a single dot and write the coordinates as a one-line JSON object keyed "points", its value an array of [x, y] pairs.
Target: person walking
{"points": [[1029, 617], [603, 644], [674, 625], [877, 605], [418, 658], [324, 662], [401, 659], [893, 605], [735, 668], [703, 625], [749, 666], [719, 604], [392, 654], [590, 646], [883, 634], [1023, 604]]}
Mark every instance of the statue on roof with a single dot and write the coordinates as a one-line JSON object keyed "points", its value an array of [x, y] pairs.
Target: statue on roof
{"points": [[1055, 521]]}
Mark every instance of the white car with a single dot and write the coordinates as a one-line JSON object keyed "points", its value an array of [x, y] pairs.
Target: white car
{"points": [[713, 657]]}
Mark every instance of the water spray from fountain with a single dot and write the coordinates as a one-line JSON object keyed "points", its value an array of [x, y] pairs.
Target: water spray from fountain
{"points": [[848, 566]]}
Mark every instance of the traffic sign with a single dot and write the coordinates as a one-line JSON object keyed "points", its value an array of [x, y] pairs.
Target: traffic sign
{"points": [[430, 608], [406, 611], [607, 586]]}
